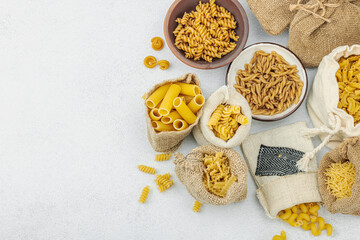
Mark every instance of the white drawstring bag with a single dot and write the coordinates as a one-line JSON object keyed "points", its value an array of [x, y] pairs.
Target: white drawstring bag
{"points": [[224, 95], [272, 157], [331, 123]]}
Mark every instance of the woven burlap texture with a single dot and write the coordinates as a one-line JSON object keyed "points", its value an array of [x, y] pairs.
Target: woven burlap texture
{"points": [[273, 15], [348, 150], [190, 171], [170, 141], [316, 26], [312, 38]]}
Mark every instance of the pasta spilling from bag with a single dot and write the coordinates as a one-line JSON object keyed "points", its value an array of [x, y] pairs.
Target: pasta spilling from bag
{"points": [[282, 236], [226, 120], [218, 177], [206, 33], [269, 83], [306, 215], [348, 78]]}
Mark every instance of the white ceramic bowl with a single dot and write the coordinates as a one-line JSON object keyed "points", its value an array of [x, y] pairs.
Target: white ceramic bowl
{"points": [[245, 57]]}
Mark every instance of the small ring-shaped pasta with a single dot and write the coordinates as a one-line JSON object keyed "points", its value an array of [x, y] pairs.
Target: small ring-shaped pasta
{"points": [[164, 64], [150, 61], [157, 43]]}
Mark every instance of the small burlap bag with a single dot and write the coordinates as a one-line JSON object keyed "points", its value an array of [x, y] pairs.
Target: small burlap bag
{"points": [[273, 15], [272, 157], [169, 141], [348, 150], [319, 26], [190, 171], [224, 95]]}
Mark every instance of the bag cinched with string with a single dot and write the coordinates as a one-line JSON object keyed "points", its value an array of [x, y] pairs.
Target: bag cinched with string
{"points": [[331, 123], [316, 26]]}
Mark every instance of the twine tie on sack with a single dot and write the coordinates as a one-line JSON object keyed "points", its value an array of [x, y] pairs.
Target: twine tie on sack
{"points": [[321, 5], [335, 127]]}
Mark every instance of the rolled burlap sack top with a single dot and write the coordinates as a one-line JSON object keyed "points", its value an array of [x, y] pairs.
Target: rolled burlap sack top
{"points": [[169, 141], [349, 150], [190, 171]]}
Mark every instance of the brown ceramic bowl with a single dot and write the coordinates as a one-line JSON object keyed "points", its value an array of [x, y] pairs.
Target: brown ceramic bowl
{"points": [[178, 8]]}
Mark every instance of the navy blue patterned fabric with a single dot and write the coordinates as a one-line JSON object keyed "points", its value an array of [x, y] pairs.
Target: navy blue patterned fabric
{"points": [[277, 161]]}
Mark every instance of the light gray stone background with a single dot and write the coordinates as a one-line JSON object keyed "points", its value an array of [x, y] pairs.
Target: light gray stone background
{"points": [[72, 129]]}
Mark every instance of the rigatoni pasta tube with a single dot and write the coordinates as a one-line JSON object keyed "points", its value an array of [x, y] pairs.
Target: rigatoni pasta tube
{"points": [[180, 124], [156, 97], [184, 111], [167, 103], [189, 89], [196, 103], [154, 114], [159, 126], [171, 117]]}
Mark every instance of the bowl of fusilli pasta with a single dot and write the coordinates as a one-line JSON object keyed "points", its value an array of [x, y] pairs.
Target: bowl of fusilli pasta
{"points": [[206, 34]]}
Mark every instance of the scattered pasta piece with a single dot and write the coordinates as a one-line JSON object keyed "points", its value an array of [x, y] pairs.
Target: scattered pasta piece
{"points": [[306, 216], [340, 179], [218, 177], [282, 236], [163, 182], [146, 169], [150, 61], [157, 43], [197, 206], [162, 157], [269, 83], [348, 78], [144, 194], [164, 64], [225, 120], [206, 33]]}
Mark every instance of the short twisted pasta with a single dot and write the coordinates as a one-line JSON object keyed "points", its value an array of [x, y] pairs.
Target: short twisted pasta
{"points": [[200, 33], [144, 194], [197, 206], [150, 61], [164, 64], [162, 157], [157, 43], [146, 169], [215, 117]]}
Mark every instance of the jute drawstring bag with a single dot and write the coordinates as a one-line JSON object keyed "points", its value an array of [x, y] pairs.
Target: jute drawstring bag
{"points": [[190, 171], [316, 26], [331, 123], [349, 150], [319, 26], [273, 15], [224, 95], [272, 157], [169, 141]]}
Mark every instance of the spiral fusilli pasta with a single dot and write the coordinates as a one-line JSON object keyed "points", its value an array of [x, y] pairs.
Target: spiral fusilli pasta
{"points": [[144, 194], [162, 157], [206, 33], [146, 169], [157, 43], [196, 207]]}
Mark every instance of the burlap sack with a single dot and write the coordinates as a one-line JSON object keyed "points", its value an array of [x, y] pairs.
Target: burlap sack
{"points": [[205, 136], [190, 171], [273, 15], [171, 140], [319, 26], [272, 158], [332, 124], [348, 150]]}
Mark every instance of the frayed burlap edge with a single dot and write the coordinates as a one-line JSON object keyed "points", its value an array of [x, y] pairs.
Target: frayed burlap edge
{"points": [[190, 171]]}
